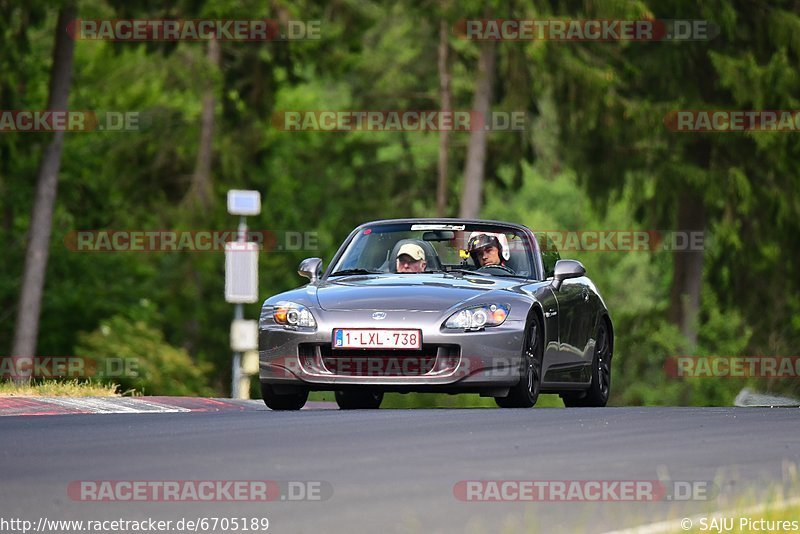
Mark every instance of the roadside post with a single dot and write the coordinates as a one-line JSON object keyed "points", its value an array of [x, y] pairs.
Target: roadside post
{"points": [[241, 287]]}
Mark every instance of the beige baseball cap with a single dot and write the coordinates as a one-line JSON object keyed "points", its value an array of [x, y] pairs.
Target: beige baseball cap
{"points": [[415, 251]]}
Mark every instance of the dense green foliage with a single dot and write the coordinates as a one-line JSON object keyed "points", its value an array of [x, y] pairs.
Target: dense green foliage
{"points": [[126, 350], [595, 155]]}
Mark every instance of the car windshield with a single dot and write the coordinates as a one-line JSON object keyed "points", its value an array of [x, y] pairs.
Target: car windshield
{"points": [[409, 248]]}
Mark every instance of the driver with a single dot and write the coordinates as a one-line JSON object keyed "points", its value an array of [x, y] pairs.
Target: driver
{"points": [[487, 249], [411, 259]]}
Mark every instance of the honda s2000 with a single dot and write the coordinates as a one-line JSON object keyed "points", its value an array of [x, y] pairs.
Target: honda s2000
{"points": [[438, 305]]}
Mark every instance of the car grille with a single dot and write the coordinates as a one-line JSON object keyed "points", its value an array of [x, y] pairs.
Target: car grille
{"points": [[432, 359]]}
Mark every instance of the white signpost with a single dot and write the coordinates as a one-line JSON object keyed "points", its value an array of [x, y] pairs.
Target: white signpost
{"points": [[241, 272], [241, 287]]}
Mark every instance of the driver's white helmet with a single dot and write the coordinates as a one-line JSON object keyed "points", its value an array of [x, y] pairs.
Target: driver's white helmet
{"points": [[478, 240]]}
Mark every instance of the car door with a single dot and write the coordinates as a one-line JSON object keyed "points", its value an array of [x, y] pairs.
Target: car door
{"points": [[563, 315], [587, 317], [571, 306], [584, 321]]}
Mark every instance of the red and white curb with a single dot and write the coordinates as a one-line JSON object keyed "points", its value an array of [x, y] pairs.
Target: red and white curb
{"points": [[26, 406]]}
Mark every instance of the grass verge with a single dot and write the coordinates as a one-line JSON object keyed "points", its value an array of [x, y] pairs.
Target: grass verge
{"points": [[58, 388]]}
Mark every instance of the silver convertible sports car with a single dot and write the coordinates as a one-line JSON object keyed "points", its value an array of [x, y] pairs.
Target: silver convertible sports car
{"points": [[438, 305]]}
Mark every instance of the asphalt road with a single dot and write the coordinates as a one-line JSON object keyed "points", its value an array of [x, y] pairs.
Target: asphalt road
{"points": [[395, 470]]}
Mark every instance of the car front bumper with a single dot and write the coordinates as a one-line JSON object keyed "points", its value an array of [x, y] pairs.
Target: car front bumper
{"points": [[450, 361]]}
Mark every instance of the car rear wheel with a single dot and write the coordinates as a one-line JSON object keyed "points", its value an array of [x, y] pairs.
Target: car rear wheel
{"points": [[598, 392], [359, 400], [526, 392], [283, 401]]}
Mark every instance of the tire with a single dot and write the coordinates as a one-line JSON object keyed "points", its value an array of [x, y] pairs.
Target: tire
{"points": [[290, 401], [359, 400], [526, 392], [599, 390]]}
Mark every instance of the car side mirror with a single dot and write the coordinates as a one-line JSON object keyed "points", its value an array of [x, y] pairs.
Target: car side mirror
{"points": [[310, 268], [567, 269]]}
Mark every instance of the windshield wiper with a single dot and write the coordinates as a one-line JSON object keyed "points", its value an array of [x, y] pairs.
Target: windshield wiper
{"points": [[466, 271], [346, 272]]}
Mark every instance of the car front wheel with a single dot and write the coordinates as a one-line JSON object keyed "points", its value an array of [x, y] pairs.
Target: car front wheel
{"points": [[526, 392], [283, 401]]}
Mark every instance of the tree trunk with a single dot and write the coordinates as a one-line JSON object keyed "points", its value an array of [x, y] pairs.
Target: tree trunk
{"points": [[27, 324], [687, 273], [444, 135], [201, 192], [200, 195], [476, 152]]}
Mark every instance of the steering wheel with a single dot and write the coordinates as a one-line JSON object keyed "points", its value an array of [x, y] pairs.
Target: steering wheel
{"points": [[496, 266]]}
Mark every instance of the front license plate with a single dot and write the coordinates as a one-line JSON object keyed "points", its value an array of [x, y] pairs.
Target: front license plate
{"points": [[367, 338]]}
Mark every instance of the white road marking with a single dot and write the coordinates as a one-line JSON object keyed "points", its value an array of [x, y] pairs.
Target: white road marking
{"points": [[112, 405]]}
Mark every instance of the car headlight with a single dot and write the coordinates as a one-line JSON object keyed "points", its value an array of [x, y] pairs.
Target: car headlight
{"points": [[293, 314], [477, 317]]}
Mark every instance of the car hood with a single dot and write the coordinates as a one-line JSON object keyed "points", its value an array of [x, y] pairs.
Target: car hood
{"points": [[408, 292]]}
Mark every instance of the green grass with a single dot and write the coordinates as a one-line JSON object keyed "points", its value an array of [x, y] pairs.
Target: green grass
{"points": [[56, 388], [770, 514], [781, 506]]}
